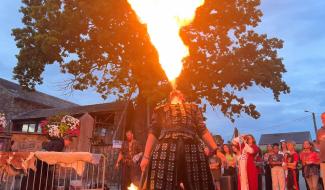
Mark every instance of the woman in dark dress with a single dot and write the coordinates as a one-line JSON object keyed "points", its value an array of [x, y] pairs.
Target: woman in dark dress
{"points": [[291, 162], [178, 157], [267, 168]]}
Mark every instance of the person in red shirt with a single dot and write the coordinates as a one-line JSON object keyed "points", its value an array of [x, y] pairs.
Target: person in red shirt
{"points": [[310, 161], [291, 163]]}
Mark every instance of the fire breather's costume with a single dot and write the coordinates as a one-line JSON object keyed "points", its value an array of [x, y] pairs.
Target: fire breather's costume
{"points": [[178, 156]]}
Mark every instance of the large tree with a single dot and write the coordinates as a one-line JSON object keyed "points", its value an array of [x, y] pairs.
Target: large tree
{"points": [[102, 44]]}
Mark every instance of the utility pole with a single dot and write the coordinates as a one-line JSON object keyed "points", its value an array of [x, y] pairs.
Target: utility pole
{"points": [[314, 120]]}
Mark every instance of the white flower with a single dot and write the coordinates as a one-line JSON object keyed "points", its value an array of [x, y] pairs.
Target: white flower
{"points": [[54, 131], [3, 121], [70, 121]]}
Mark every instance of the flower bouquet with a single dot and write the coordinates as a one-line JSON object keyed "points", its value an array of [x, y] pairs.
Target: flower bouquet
{"points": [[61, 126], [3, 121]]}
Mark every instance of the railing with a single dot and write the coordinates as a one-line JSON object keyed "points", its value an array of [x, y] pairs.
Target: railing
{"points": [[52, 170]]}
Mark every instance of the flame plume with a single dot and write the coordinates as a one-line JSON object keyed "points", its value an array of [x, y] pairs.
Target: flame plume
{"points": [[164, 18], [133, 187]]}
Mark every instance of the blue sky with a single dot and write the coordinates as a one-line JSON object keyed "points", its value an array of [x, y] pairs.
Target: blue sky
{"points": [[300, 23]]}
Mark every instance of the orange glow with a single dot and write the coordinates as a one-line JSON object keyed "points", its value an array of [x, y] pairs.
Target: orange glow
{"points": [[132, 187], [164, 18]]}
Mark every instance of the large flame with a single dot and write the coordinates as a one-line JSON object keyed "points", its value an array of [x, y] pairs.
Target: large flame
{"points": [[133, 187], [164, 18]]}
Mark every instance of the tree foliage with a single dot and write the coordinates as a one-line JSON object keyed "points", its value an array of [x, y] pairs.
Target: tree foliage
{"points": [[101, 44]]}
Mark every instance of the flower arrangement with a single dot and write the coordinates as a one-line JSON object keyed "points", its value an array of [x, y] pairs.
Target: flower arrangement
{"points": [[61, 126], [3, 121]]}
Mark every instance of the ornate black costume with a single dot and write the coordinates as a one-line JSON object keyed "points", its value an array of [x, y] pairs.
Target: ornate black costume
{"points": [[178, 157]]}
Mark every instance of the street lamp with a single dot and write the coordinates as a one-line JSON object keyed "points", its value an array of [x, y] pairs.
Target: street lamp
{"points": [[314, 120]]}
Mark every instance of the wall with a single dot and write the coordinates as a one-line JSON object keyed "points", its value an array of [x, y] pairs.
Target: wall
{"points": [[27, 142]]}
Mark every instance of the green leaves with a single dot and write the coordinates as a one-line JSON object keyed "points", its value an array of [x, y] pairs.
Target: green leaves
{"points": [[228, 56], [102, 44]]}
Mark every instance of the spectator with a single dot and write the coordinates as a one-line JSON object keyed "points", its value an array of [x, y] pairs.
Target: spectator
{"points": [[215, 167], [284, 151], [267, 168], [259, 167], [230, 162], [128, 157], [310, 162], [251, 166], [276, 161], [321, 143], [247, 152], [303, 155], [283, 147], [291, 163], [241, 148]]}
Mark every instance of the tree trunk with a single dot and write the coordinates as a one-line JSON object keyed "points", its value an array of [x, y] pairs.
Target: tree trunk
{"points": [[141, 119]]}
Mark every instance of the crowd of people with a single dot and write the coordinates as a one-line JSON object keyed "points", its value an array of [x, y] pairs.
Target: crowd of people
{"points": [[173, 157], [244, 165]]}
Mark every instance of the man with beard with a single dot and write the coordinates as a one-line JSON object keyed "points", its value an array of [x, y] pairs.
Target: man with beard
{"points": [[129, 158]]}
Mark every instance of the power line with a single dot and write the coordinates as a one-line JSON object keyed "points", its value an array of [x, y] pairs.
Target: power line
{"points": [[281, 125]]}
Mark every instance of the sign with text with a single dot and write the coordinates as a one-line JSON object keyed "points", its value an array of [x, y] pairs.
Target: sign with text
{"points": [[117, 144]]}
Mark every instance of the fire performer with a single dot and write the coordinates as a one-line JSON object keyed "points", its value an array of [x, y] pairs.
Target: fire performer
{"points": [[178, 158]]}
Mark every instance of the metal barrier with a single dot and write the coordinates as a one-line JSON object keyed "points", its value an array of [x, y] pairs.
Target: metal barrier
{"points": [[79, 175]]}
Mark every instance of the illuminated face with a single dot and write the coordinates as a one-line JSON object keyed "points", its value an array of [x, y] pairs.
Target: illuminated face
{"points": [[176, 100], [206, 151], [250, 140], [269, 148], [276, 149], [226, 149], [176, 97], [284, 145], [129, 135], [290, 146], [234, 148], [306, 145]]}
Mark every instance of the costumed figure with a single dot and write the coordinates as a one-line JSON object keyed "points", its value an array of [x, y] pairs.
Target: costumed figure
{"points": [[178, 157], [246, 180], [129, 157]]}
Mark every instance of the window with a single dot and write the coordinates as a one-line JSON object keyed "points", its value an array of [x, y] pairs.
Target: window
{"points": [[30, 128]]}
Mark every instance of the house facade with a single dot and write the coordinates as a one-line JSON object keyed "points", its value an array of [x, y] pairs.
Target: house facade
{"points": [[102, 126], [24, 110], [297, 137]]}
